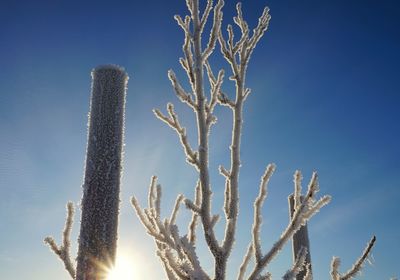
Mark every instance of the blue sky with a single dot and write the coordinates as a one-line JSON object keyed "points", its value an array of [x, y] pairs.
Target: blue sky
{"points": [[325, 97]]}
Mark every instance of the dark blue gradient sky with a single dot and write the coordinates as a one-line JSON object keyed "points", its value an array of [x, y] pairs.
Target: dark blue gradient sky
{"points": [[325, 97]]}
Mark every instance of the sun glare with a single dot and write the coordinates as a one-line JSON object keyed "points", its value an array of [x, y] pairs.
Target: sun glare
{"points": [[125, 269]]}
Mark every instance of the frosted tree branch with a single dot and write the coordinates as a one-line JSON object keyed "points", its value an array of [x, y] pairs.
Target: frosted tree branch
{"points": [[187, 62], [217, 96], [308, 275], [63, 251], [195, 208], [224, 172], [245, 263], [206, 13], [239, 73], [173, 122], [214, 220], [216, 84], [239, 70], [302, 214], [214, 30], [357, 266], [245, 45], [176, 252], [257, 210], [195, 215], [152, 192], [184, 24], [203, 131], [180, 92], [178, 201], [298, 265], [190, 6], [297, 189]]}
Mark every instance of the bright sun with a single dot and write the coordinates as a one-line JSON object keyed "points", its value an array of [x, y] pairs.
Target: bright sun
{"points": [[125, 269]]}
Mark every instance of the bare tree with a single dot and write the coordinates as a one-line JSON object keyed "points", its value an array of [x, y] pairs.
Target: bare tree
{"points": [[100, 202], [177, 251]]}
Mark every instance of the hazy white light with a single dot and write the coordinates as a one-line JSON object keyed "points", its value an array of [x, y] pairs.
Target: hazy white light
{"points": [[125, 269]]}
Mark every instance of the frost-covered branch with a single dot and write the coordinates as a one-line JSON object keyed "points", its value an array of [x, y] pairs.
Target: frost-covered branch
{"points": [[216, 83], [193, 62], [63, 251], [308, 275], [257, 210], [245, 262], [206, 14], [298, 265], [173, 122], [239, 75], [214, 29], [244, 47], [176, 252], [187, 62], [180, 92], [303, 212], [204, 129], [195, 215], [357, 266]]}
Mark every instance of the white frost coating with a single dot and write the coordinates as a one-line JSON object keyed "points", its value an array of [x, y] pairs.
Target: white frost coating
{"points": [[177, 253], [63, 251], [356, 267], [108, 67], [305, 211], [308, 275], [297, 189], [298, 266], [101, 186]]}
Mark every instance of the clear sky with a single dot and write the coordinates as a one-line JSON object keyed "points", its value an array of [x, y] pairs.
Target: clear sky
{"points": [[325, 96]]}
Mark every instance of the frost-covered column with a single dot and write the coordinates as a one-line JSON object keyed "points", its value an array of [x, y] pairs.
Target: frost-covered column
{"points": [[100, 201], [300, 241]]}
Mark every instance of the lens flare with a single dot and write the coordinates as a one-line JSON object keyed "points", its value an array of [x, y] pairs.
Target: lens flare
{"points": [[125, 269]]}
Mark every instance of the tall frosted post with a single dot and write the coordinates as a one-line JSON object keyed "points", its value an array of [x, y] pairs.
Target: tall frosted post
{"points": [[300, 240], [101, 187]]}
